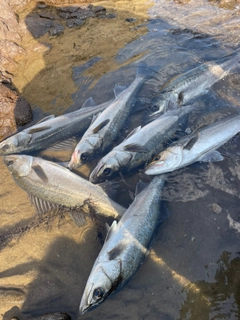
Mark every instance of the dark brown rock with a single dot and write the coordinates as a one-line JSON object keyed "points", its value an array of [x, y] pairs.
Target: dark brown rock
{"points": [[14, 111]]}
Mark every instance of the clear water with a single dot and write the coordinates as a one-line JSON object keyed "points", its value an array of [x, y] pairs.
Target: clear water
{"points": [[192, 271]]}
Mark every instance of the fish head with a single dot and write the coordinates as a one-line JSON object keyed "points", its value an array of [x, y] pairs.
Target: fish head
{"points": [[112, 163], [15, 144], [167, 161], [105, 277], [81, 155], [18, 165]]}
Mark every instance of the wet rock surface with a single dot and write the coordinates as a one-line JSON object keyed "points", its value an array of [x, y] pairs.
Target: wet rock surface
{"points": [[14, 109], [45, 19]]}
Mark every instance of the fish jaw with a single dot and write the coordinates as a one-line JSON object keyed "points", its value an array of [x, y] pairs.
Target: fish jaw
{"points": [[18, 165], [155, 168], [104, 279], [75, 161], [15, 144]]}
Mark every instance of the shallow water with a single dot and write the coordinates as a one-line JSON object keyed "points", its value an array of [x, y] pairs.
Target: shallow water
{"points": [[192, 271]]}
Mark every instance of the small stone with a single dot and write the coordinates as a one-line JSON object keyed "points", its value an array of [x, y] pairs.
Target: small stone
{"points": [[130, 19], [216, 208]]}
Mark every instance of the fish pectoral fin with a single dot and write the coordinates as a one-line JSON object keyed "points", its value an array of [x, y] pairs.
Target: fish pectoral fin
{"points": [[40, 172], [42, 206], [101, 125], [118, 89], [46, 118], [89, 103], [133, 147], [111, 230], [116, 251], [211, 156], [140, 187], [191, 141], [39, 129]]}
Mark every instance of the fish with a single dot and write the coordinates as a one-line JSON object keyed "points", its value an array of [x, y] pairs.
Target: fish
{"points": [[126, 244], [181, 89], [140, 145], [51, 130], [199, 146], [50, 316], [51, 186], [107, 126]]}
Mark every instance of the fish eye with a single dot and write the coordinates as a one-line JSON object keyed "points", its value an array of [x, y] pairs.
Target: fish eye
{"points": [[5, 147], [154, 108], [9, 163], [84, 156], [107, 171], [98, 293], [156, 158]]}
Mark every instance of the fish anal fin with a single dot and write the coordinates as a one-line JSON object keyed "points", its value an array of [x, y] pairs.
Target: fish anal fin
{"points": [[42, 206], [140, 187], [212, 156], [39, 129], [133, 147], [101, 125], [133, 132], [116, 251], [40, 172]]}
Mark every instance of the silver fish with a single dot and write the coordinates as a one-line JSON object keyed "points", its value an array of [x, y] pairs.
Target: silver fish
{"points": [[106, 128], [181, 89], [53, 185], [140, 146], [200, 146], [51, 130], [125, 246]]}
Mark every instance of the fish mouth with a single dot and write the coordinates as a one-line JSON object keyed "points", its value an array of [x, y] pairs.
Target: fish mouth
{"points": [[94, 174], [152, 168], [75, 161]]}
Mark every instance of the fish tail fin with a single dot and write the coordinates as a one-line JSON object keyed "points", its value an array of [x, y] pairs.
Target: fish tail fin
{"points": [[143, 70]]}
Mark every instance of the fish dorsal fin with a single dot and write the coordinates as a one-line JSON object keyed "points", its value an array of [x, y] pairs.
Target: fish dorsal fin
{"points": [[89, 103], [212, 156], [118, 89], [39, 129], [133, 131], [190, 143], [140, 187], [51, 116], [101, 125], [116, 251], [43, 206], [78, 217], [134, 147], [109, 187], [40, 172], [111, 230]]}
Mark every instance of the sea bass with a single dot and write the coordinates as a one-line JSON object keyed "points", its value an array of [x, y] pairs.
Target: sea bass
{"points": [[200, 146], [125, 246], [50, 184], [51, 130], [107, 127], [181, 89], [140, 145]]}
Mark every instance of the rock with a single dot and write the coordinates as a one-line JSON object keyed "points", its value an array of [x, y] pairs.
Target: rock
{"points": [[14, 111]]}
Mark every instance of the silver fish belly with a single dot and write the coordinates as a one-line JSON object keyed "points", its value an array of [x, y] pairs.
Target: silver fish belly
{"points": [[125, 246], [51, 130], [201, 146], [107, 127], [57, 185], [181, 89]]}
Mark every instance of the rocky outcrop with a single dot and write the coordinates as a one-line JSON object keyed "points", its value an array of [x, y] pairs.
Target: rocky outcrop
{"points": [[14, 110]]}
